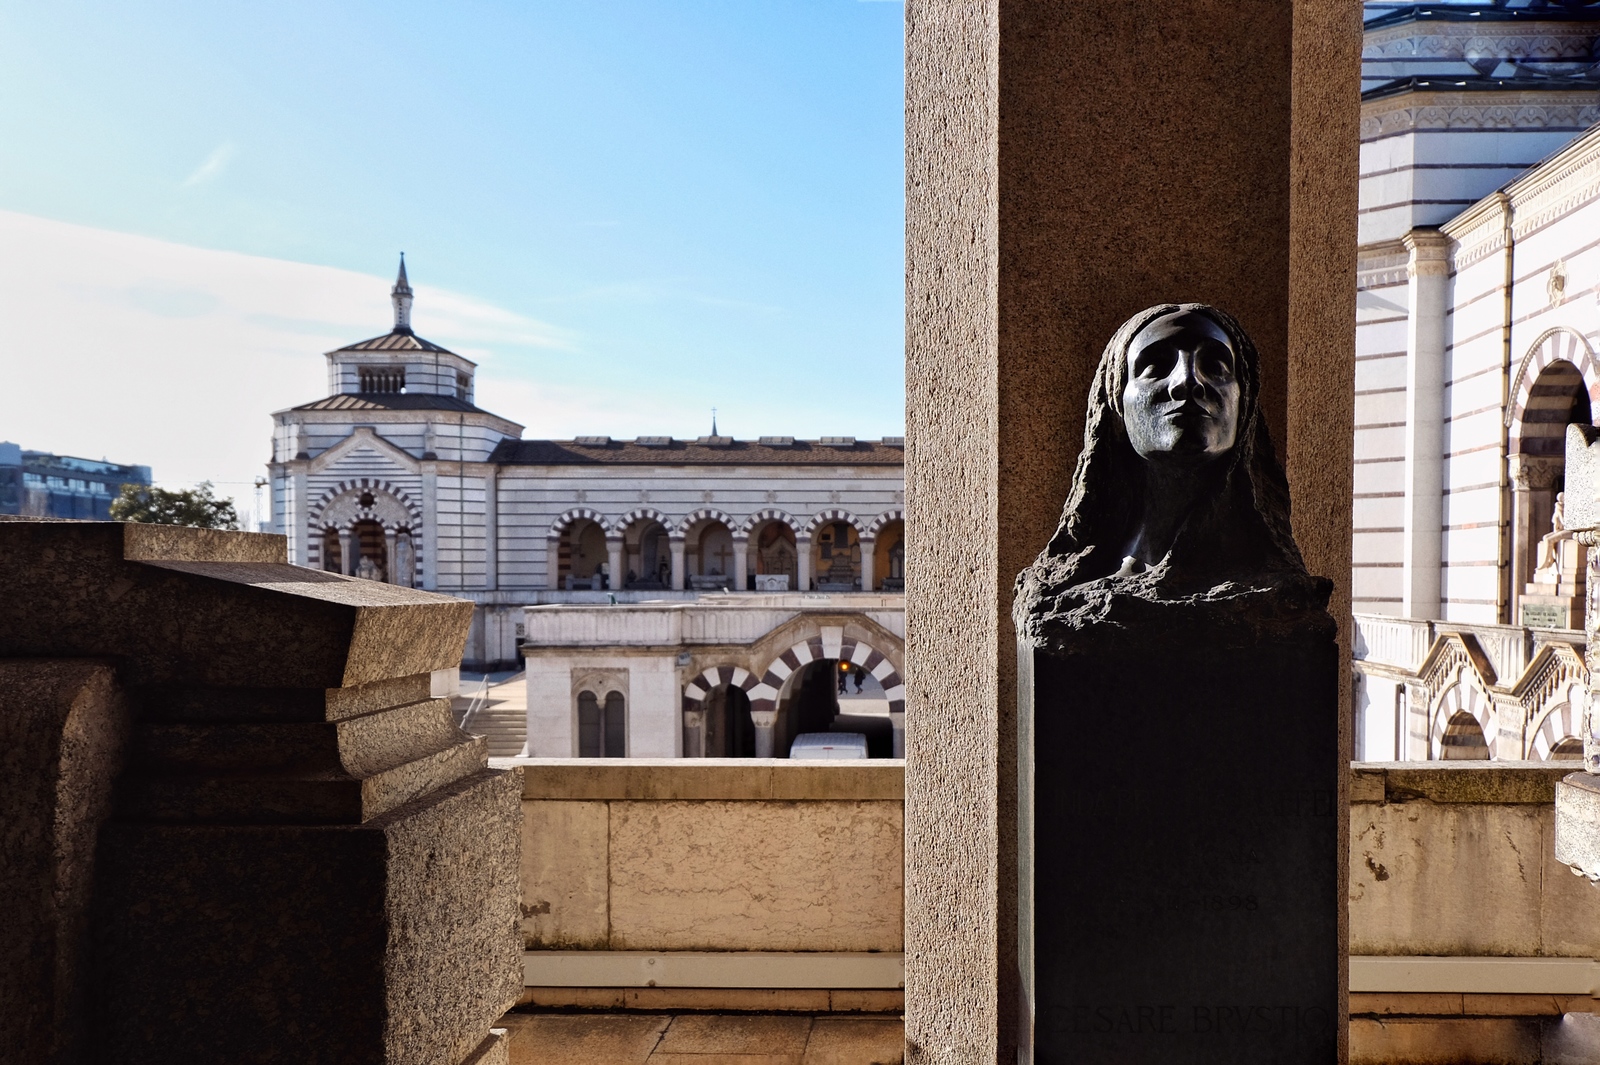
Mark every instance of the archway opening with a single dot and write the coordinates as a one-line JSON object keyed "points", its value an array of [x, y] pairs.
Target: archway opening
{"points": [[1569, 749], [1463, 739], [837, 558], [602, 728], [773, 562], [708, 556], [371, 553], [332, 554], [730, 733], [581, 559], [1557, 398], [647, 555], [889, 557], [829, 695]]}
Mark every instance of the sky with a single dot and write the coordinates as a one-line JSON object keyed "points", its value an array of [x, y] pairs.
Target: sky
{"points": [[627, 212]]}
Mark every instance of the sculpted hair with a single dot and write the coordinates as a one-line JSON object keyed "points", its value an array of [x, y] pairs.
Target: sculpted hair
{"points": [[1241, 532]]}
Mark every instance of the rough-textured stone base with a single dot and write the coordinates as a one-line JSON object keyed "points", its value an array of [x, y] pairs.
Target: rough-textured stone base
{"points": [[390, 942], [63, 729], [1185, 859]]}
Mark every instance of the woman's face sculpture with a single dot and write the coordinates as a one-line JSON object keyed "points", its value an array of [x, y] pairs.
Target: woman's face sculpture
{"points": [[1181, 402]]}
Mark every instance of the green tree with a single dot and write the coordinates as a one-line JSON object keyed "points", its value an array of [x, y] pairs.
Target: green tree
{"points": [[158, 506]]}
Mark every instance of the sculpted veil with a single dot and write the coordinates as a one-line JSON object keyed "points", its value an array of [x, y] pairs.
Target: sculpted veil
{"points": [[1232, 566]]}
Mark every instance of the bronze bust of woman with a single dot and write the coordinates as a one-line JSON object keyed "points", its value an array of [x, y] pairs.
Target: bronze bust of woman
{"points": [[1178, 501]]}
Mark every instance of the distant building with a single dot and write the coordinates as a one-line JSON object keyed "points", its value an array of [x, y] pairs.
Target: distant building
{"points": [[1478, 324], [37, 484]]}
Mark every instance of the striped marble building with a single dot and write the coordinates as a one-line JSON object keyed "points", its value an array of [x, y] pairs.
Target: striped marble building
{"points": [[1477, 326], [397, 475]]}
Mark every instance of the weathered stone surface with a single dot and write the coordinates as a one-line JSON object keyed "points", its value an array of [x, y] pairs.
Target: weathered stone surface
{"points": [[578, 1039], [173, 613], [1445, 879], [760, 1038], [63, 730], [1444, 1041], [565, 869], [392, 941], [709, 778], [1577, 803], [816, 876], [855, 1041]]}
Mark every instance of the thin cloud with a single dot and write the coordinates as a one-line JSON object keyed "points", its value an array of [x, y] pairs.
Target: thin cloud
{"points": [[214, 165]]}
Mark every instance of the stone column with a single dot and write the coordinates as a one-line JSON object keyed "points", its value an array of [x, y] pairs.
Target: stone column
{"points": [[1533, 481], [389, 538], [614, 558], [898, 721], [676, 546], [766, 722], [1429, 286], [802, 551], [869, 549], [741, 562], [347, 561], [1054, 187], [694, 733]]}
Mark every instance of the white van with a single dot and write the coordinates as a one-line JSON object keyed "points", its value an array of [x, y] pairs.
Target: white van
{"points": [[812, 745]]}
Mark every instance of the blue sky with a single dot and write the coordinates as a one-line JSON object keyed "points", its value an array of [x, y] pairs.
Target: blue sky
{"points": [[666, 206]]}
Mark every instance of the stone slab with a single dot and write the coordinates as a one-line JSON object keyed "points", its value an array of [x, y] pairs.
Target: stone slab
{"points": [[855, 1041], [1445, 1041], [63, 733], [709, 778], [565, 871], [393, 941], [1577, 828], [780, 1038], [583, 1039], [1186, 911], [199, 614], [812, 876]]}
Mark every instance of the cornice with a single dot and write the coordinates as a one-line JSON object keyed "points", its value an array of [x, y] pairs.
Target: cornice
{"points": [[1510, 110], [1550, 41], [1480, 231], [1564, 183]]}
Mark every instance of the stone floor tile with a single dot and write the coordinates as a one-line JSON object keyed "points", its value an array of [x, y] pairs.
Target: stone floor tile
{"points": [[583, 1038], [856, 1041], [733, 1039]]}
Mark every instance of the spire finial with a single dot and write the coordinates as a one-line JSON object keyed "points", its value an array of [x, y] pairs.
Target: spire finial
{"points": [[713, 421], [401, 294]]}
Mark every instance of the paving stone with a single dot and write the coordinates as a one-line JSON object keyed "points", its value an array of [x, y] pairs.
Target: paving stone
{"points": [[583, 1038], [736, 1039], [856, 1041]]}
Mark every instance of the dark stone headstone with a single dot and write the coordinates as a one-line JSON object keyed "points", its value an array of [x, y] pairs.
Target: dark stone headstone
{"points": [[1178, 732]]}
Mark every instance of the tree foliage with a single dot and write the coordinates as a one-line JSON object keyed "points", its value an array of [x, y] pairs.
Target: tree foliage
{"points": [[159, 506]]}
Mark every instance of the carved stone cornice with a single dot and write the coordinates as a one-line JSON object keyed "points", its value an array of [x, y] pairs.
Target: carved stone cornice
{"points": [[1510, 110]]}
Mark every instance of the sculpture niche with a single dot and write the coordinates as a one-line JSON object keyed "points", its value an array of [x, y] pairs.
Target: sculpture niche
{"points": [[1178, 729]]}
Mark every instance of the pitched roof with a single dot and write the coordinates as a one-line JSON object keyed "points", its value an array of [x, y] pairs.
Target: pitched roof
{"points": [[391, 401], [398, 340], [1469, 83], [606, 452]]}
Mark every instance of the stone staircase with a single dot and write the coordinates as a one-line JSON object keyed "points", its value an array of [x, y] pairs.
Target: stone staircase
{"points": [[500, 714]]}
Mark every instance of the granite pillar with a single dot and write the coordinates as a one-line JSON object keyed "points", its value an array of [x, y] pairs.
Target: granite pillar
{"points": [[305, 860], [1067, 165]]}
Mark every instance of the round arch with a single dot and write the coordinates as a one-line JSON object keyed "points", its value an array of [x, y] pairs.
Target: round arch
{"points": [[329, 509], [620, 526], [764, 695], [824, 517], [708, 514], [564, 522], [1558, 722], [876, 525], [1561, 343], [761, 517], [1460, 696]]}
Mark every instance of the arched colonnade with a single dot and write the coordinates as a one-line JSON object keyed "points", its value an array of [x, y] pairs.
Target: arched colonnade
{"points": [[769, 550]]}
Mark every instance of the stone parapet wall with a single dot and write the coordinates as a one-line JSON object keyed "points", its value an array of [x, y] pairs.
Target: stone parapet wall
{"points": [[713, 883]]}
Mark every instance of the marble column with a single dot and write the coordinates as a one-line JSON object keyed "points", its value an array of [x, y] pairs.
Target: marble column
{"points": [[741, 563], [1055, 187], [1429, 285], [614, 558], [802, 550], [347, 561], [897, 721], [766, 722], [676, 546], [869, 550], [491, 528]]}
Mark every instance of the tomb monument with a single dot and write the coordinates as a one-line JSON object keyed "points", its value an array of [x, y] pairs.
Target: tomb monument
{"points": [[1178, 900]]}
